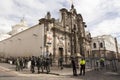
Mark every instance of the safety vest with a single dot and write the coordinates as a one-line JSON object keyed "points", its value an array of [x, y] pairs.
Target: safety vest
{"points": [[102, 60], [82, 62]]}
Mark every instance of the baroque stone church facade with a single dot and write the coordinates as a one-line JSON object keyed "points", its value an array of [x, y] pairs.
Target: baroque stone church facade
{"points": [[66, 37]]}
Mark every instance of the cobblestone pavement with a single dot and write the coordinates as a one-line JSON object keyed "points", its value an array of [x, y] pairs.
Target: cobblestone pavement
{"points": [[65, 74]]}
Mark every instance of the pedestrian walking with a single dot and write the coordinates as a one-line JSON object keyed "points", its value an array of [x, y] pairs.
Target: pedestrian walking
{"points": [[82, 66]]}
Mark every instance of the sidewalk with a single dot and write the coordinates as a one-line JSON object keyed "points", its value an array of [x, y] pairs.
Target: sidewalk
{"points": [[54, 70], [64, 74]]}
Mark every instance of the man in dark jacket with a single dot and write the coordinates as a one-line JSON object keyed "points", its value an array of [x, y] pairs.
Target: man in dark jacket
{"points": [[39, 64], [32, 64], [60, 62], [74, 66], [47, 65]]}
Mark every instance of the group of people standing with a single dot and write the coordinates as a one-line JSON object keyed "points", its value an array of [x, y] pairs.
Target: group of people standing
{"points": [[42, 63]]}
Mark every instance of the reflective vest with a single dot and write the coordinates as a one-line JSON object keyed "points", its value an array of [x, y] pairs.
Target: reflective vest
{"points": [[82, 62], [102, 60]]}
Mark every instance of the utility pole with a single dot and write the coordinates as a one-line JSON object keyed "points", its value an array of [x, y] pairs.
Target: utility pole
{"points": [[116, 45]]}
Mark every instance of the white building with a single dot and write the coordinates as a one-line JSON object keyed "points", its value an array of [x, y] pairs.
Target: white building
{"points": [[4, 36], [21, 26], [104, 46]]}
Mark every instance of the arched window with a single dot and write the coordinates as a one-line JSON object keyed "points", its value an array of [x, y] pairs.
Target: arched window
{"points": [[94, 45], [101, 45]]}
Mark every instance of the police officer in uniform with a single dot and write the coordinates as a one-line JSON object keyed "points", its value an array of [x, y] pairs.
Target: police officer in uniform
{"points": [[74, 66], [60, 62], [38, 64], [82, 66], [32, 64], [47, 65]]}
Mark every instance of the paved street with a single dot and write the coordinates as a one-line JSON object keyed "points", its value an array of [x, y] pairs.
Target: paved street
{"points": [[7, 72]]}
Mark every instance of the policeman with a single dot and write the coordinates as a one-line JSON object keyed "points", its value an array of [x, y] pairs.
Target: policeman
{"points": [[47, 65], [38, 64], [102, 60], [61, 62], [32, 64], [21, 63], [82, 68], [50, 57], [74, 66]]}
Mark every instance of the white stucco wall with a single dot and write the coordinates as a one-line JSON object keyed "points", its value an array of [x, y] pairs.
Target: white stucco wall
{"points": [[4, 36], [107, 41], [110, 44], [25, 43]]}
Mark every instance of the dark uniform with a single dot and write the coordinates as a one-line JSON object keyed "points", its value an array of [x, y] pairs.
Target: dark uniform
{"points": [[21, 63], [48, 65], [102, 63], [39, 64], [50, 57], [60, 62], [74, 67], [32, 64]]}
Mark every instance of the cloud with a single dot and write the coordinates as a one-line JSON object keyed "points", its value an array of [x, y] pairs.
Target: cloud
{"points": [[4, 28], [13, 10], [101, 16], [107, 27]]}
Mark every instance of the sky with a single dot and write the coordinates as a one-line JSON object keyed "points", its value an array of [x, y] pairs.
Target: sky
{"points": [[102, 17]]}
